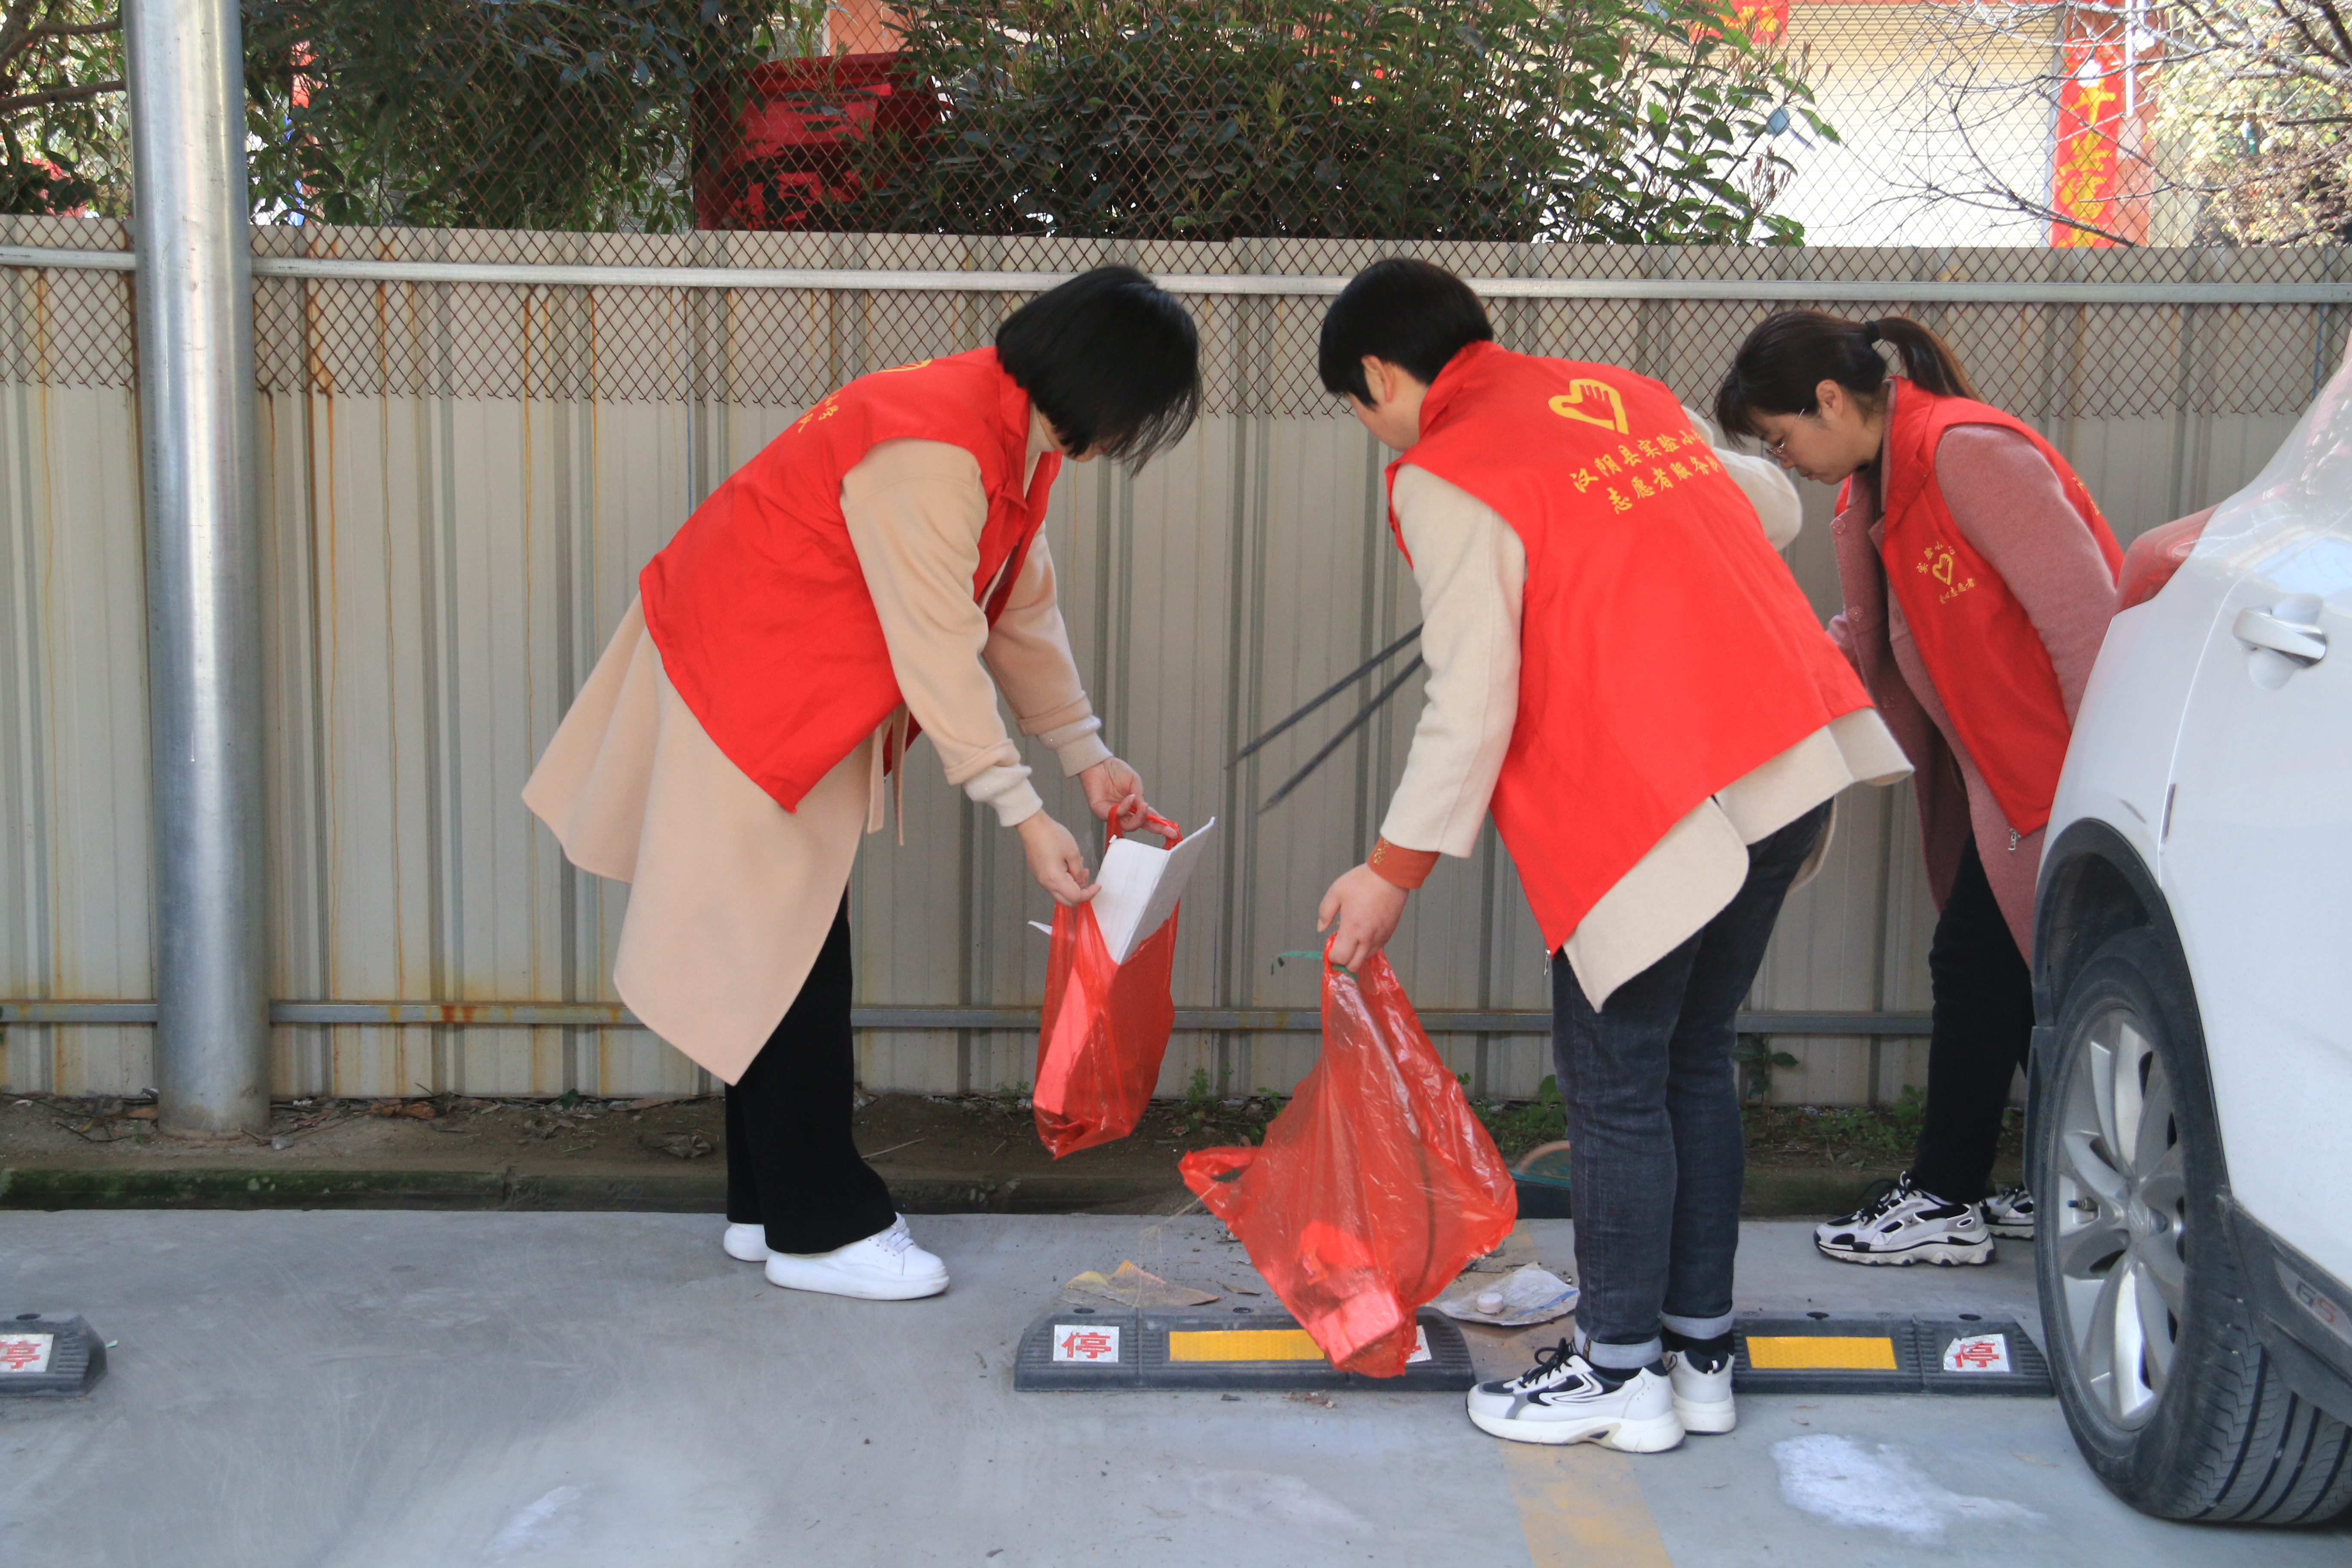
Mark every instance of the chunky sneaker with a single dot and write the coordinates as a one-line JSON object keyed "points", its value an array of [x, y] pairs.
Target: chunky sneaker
{"points": [[1701, 1381], [747, 1243], [885, 1267], [2009, 1214], [1904, 1224], [1561, 1399]]}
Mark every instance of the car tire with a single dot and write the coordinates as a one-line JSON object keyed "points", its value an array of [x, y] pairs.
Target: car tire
{"points": [[2153, 1347]]}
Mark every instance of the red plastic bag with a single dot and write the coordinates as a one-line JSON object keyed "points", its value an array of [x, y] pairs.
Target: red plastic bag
{"points": [[1105, 1027], [1375, 1185]]}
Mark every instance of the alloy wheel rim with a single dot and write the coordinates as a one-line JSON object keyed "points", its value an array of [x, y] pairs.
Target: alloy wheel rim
{"points": [[2120, 1218]]}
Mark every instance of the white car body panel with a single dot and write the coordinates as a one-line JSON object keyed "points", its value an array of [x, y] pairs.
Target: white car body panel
{"points": [[2246, 819], [2119, 764]]}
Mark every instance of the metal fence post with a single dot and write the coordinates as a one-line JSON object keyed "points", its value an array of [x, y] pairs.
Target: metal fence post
{"points": [[195, 296]]}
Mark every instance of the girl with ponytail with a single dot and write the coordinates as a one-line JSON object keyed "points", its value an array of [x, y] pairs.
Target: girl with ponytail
{"points": [[1978, 578]]}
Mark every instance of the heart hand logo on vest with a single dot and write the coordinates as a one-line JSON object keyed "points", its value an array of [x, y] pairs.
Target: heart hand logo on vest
{"points": [[1569, 404], [1939, 561]]}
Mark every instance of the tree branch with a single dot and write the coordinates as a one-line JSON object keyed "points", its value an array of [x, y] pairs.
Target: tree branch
{"points": [[2335, 25], [78, 29], [79, 94], [16, 28]]}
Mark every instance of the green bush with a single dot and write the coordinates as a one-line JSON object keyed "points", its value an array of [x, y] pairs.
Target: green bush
{"points": [[65, 143], [1517, 1126], [510, 114], [1638, 121]]}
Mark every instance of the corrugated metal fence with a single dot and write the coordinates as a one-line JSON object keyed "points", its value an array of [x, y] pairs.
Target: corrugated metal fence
{"points": [[463, 471]]}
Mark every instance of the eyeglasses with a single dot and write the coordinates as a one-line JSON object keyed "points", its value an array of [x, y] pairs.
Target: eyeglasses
{"points": [[1778, 451]]}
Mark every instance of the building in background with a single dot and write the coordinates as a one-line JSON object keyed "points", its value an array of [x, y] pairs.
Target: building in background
{"points": [[1894, 77]]}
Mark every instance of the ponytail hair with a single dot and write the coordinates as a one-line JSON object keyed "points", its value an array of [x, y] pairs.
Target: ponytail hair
{"points": [[1789, 355]]}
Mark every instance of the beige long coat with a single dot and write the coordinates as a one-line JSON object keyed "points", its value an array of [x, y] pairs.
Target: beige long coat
{"points": [[731, 896]]}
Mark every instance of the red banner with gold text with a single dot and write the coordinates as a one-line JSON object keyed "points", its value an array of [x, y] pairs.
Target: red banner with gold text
{"points": [[1764, 21], [2101, 176]]}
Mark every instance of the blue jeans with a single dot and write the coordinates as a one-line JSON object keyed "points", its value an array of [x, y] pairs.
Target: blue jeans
{"points": [[1653, 1099]]}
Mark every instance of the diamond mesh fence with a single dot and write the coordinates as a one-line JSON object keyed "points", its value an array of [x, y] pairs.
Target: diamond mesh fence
{"points": [[2025, 122], [1908, 145], [553, 326], [1851, 122], [766, 343]]}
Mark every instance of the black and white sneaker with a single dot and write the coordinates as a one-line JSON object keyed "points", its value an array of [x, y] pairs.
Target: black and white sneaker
{"points": [[2009, 1214], [1562, 1399], [1903, 1226]]}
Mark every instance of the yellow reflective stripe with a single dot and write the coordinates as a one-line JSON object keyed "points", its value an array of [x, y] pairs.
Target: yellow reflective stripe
{"points": [[1243, 1344], [1845, 1353]]}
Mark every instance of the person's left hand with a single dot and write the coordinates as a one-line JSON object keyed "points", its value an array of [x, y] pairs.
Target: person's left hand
{"points": [[1367, 907], [1113, 787]]}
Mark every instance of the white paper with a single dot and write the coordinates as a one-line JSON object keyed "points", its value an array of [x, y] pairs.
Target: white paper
{"points": [[1140, 887]]}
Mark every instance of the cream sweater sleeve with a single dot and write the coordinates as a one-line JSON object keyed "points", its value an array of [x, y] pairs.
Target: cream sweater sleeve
{"points": [[1472, 571], [1767, 490], [916, 509], [1029, 652]]}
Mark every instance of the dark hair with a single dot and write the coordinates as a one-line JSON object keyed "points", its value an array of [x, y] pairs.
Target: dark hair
{"points": [[1111, 359], [1788, 356], [1408, 313]]}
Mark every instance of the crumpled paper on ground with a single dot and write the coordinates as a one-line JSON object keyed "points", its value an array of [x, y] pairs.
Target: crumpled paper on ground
{"points": [[1531, 1294], [1132, 1287]]}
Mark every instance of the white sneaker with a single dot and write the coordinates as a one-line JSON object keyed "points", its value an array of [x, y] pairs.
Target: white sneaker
{"points": [[2009, 1214], [1702, 1393], [885, 1267], [747, 1243], [1903, 1226], [1560, 1399]]}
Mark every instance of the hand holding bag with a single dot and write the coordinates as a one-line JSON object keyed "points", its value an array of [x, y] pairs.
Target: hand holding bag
{"points": [[1105, 1028]]}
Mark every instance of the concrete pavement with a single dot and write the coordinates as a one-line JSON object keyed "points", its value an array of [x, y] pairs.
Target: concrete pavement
{"points": [[384, 1389]]}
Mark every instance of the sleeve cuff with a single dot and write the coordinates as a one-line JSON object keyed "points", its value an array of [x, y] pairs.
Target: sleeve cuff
{"points": [[1081, 754], [1406, 869], [1007, 790]]}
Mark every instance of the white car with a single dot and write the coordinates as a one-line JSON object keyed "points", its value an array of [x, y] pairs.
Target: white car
{"points": [[2190, 1129]]}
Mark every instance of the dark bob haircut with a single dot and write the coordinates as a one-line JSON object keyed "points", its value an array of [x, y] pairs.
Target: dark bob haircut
{"points": [[1408, 313], [1111, 359], [1780, 367]]}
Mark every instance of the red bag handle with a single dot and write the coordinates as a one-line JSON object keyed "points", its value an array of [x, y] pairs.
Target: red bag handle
{"points": [[1153, 820]]}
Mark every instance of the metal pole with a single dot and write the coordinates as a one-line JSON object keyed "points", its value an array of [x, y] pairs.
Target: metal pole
{"points": [[204, 561]]}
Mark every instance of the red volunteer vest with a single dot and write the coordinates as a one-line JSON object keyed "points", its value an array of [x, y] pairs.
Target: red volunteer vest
{"points": [[1987, 662], [758, 603], [1664, 650]]}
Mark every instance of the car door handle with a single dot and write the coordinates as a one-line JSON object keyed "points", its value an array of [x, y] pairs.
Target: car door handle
{"points": [[2262, 628]]}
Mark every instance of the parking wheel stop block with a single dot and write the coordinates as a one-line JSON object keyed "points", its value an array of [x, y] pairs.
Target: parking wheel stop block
{"points": [[1828, 1352], [1111, 1350], [48, 1356]]}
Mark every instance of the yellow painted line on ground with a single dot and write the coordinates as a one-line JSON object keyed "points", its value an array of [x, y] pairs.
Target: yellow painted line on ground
{"points": [[1243, 1344], [1873, 1353], [1581, 1506]]}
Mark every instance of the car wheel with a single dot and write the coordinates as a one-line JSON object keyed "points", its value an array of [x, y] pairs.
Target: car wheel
{"points": [[2161, 1374]]}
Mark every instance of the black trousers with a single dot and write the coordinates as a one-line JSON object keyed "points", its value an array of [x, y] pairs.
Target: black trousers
{"points": [[791, 1164], [1981, 1028]]}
